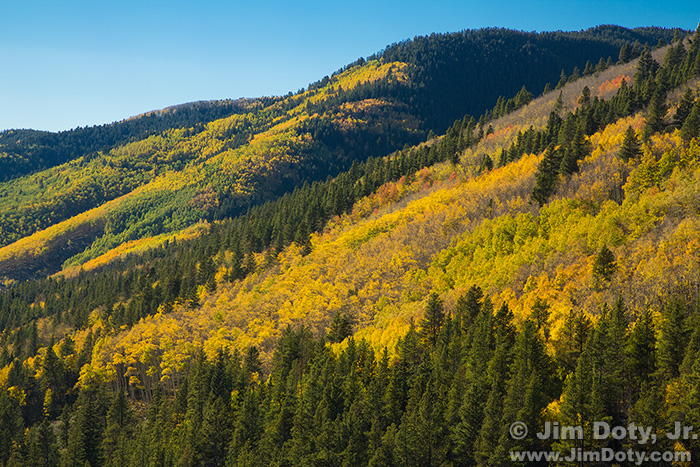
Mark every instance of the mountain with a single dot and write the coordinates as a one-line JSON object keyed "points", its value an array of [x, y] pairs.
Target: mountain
{"points": [[539, 265], [74, 196]]}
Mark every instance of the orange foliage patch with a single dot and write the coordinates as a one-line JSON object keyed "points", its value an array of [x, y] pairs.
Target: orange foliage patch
{"points": [[612, 85]]}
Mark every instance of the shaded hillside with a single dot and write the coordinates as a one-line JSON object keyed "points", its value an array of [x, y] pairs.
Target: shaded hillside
{"points": [[466, 72]]}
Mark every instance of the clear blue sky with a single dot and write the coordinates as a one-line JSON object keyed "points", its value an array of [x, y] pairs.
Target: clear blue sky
{"points": [[78, 62]]}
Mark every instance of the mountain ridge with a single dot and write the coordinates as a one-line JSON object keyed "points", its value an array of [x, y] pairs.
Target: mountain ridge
{"points": [[335, 129]]}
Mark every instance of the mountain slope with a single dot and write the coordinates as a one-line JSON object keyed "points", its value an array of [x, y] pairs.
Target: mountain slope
{"points": [[265, 147], [449, 229], [455, 73], [542, 269]]}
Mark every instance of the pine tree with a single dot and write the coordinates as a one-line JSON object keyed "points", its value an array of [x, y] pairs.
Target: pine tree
{"points": [[421, 438], [641, 351], [42, 446], [692, 406], [523, 97], [650, 410], [546, 176], [432, 321], [248, 425], [119, 431], [489, 432], [471, 412], [486, 164], [575, 75], [655, 116], [597, 389], [601, 66], [572, 340], [558, 105], [85, 439], [691, 126], [216, 417], [52, 377], [33, 340], [610, 361], [540, 316], [64, 431], [585, 99], [646, 67], [562, 80], [673, 337], [11, 425], [302, 445], [340, 328], [625, 54], [529, 390], [631, 146], [569, 163], [579, 406], [685, 106], [503, 327], [385, 455], [604, 265]]}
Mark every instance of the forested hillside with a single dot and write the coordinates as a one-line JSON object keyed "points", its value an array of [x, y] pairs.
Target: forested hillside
{"points": [[76, 195], [235, 305], [27, 151]]}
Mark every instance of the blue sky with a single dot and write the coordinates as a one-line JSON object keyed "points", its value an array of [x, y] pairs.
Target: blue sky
{"points": [[76, 62]]}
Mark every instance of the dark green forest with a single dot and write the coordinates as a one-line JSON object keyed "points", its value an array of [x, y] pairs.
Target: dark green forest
{"points": [[445, 396]]}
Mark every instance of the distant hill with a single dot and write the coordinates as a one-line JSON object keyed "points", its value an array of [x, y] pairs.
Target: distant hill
{"points": [[24, 151], [454, 74]]}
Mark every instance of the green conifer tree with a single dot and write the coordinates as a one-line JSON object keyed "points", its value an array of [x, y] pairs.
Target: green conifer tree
{"points": [[691, 126], [673, 338], [471, 413], [604, 265], [655, 116], [631, 146], [489, 432], [11, 425], [42, 446], [540, 316], [119, 431], [546, 176], [422, 435], [432, 321], [685, 106], [625, 54], [530, 389], [340, 328], [641, 350], [85, 439]]}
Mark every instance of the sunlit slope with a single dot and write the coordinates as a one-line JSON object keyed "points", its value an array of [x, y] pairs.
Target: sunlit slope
{"points": [[166, 183], [450, 228], [264, 147]]}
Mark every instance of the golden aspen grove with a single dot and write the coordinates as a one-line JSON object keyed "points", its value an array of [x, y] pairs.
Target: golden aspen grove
{"points": [[349, 276]]}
